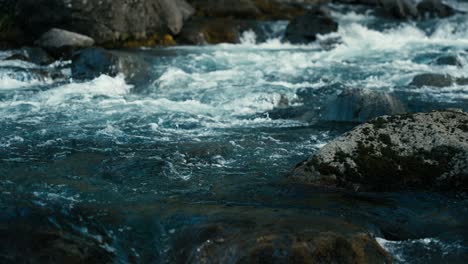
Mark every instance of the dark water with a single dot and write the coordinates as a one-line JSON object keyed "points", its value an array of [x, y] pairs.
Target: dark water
{"points": [[131, 171]]}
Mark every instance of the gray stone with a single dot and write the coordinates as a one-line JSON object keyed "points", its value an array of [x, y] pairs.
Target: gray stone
{"points": [[60, 39], [424, 151], [90, 63], [432, 79], [359, 105], [450, 60], [305, 29], [109, 22]]}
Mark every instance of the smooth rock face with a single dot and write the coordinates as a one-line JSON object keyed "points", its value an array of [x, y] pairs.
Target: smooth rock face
{"points": [[59, 39], [106, 21], [90, 63], [424, 151], [358, 105], [304, 29], [432, 79]]}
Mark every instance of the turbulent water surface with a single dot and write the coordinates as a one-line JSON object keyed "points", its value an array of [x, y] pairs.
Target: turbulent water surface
{"points": [[132, 167]]}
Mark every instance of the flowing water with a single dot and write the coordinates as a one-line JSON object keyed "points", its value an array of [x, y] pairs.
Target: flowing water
{"points": [[131, 169]]}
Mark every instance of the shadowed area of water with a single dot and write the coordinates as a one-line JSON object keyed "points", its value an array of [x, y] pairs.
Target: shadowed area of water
{"points": [[127, 171]]}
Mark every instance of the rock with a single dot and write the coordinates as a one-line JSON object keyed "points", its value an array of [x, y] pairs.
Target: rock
{"points": [[448, 60], [90, 63], [424, 151], [62, 43], [462, 81], [108, 22], [304, 29], [202, 31], [406, 9], [226, 8], [32, 54], [358, 105], [285, 9], [253, 9], [431, 8], [217, 245], [402, 9], [432, 79], [11, 35]]}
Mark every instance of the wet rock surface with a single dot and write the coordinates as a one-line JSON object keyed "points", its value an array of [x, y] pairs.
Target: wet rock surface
{"points": [[306, 28], [358, 105], [32, 54], [108, 22], [426, 151], [91, 63], [433, 79]]}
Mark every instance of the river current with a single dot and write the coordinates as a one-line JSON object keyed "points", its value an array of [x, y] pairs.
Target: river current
{"points": [[130, 168]]}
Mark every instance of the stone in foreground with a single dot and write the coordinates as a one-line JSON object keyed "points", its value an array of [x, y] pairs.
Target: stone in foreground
{"points": [[424, 151]]}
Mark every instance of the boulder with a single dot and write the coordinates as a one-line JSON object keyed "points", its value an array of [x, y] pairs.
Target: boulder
{"points": [[450, 60], [423, 151], [402, 9], [359, 105], [11, 35], [406, 9], [62, 42], [109, 22], [253, 9], [434, 8], [304, 29], [432, 79], [90, 63], [226, 8], [202, 31], [32, 54], [215, 243]]}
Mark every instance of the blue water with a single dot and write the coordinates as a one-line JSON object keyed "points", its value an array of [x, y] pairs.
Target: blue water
{"points": [[133, 168]]}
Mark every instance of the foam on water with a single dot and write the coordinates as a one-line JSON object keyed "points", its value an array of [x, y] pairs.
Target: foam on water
{"points": [[424, 250]]}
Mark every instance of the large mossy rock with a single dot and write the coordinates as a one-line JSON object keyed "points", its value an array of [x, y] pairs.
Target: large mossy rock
{"points": [[424, 151], [108, 22]]}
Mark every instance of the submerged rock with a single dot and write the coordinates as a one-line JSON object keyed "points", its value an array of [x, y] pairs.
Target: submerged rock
{"points": [[90, 63], [424, 151], [32, 54], [109, 22], [359, 105], [432, 79], [216, 243], [63, 42], [450, 60], [304, 29]]}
